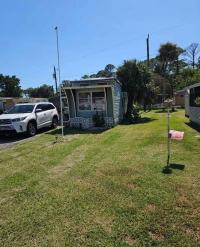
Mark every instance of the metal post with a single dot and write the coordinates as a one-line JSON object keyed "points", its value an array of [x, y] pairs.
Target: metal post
{"points": [[55, 78], [147, 41], [168, 138], [60, 86], [61, 111]]}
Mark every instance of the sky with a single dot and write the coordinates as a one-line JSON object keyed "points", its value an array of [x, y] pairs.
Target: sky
{"points": [[92, 33]]}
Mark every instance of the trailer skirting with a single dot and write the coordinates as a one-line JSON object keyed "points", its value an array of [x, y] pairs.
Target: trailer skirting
{"points": [[87, 123]]}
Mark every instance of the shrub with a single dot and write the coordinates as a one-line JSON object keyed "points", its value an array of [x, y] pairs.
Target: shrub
{"points": [[134, 117], [98, 120]]}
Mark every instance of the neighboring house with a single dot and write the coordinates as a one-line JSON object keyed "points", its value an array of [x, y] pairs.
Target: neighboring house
{"points": [[8, 102], [179, 98], [82, 99]]}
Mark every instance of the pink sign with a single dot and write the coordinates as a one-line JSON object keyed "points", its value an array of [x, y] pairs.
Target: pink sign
{"points": [[176, 135]]}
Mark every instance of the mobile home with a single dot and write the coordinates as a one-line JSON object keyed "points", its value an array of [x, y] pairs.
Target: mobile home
{"points": [[82, 99], [192, 105]]}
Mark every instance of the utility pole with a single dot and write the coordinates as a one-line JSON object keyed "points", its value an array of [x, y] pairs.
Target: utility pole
{"points": [[55, 78], [60, 86], [147, 41]]}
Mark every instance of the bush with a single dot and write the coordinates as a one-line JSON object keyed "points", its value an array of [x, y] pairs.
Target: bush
{"points": [[134, 117], [98, 120], [136, 113], [1, 111]]}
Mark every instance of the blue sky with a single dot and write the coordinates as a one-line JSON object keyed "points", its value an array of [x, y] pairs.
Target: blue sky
{"points": [[92, 33]]}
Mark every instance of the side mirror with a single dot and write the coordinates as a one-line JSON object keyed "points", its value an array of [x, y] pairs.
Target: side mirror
{"points": [[38, 110]]}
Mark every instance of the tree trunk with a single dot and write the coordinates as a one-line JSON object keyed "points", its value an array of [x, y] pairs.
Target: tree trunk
{"points": [[193, 60]]}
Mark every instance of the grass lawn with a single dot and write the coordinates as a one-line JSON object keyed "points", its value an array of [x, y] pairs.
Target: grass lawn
{"points": [[104, 189]]}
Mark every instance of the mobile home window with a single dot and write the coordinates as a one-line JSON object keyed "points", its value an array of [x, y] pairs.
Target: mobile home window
{"points": [[98, 101], [194, 93], [84, 101], [91, 101]]}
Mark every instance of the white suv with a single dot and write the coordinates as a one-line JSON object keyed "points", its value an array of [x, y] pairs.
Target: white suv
{"points": [[29, 118]]}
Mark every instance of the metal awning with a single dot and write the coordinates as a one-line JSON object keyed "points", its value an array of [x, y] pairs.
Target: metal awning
{"points": [[83, 87]]}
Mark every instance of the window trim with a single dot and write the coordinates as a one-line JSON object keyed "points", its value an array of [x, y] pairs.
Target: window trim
{"points": [[91, 104], [99, 98], [79, 98]]}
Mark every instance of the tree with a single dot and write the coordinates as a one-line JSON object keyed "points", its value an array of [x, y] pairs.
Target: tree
{"points": [[108, 71], [198, 63], [44, 91], [187, 77], [169, 64], [169, 58], [163, 87], [192, 53], [10, 86], [85, 77], [134, 78]]}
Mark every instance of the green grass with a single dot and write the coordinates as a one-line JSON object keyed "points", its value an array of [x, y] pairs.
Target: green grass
{"points": [[103, 189]]}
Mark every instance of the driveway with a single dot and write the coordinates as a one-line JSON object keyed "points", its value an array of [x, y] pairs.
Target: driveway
{"points": [[7, 142]]}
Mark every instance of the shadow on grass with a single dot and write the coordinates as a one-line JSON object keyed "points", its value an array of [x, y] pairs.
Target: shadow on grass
{"points": [[193, 126], [73, 131], [142, 120], [165, 111], [175, 166]]}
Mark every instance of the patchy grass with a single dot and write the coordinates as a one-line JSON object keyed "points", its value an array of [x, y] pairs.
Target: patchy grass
{"points": [[102, 189]]}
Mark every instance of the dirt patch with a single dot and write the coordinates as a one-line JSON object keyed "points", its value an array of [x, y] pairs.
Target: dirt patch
{"points": [[131, 186], [130, 241], [150, 208], [157, 236], [194, 233], [183, 201], [106, 222], [82, 183]]}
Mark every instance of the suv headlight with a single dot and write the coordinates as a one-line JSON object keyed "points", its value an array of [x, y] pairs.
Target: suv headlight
{"points": [[18, 119]]}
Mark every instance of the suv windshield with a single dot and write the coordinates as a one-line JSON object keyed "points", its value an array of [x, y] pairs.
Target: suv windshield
{"points": [[21, 109]]}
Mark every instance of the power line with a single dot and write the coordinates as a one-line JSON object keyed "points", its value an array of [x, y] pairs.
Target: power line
{"points": [[116, 45], [122, 43]]}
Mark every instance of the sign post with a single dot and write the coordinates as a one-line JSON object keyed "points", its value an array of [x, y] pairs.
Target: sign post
{"points": [[168, 137]]}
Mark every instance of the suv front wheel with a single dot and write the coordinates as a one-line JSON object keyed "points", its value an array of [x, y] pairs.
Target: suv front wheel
{"points": [[54, 124], [31, 129]]}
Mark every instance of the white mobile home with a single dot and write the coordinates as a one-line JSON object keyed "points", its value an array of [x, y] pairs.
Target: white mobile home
{"points": [[192, 106]]}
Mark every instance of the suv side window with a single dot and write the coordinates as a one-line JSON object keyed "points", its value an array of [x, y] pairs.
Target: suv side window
{"points": [[49, 107], [40, 106], [45, 107]]}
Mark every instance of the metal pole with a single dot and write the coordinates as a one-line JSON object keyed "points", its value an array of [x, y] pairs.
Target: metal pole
{"points": [[168, 137], [147, 41], [55, 78], [60, 86]]}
